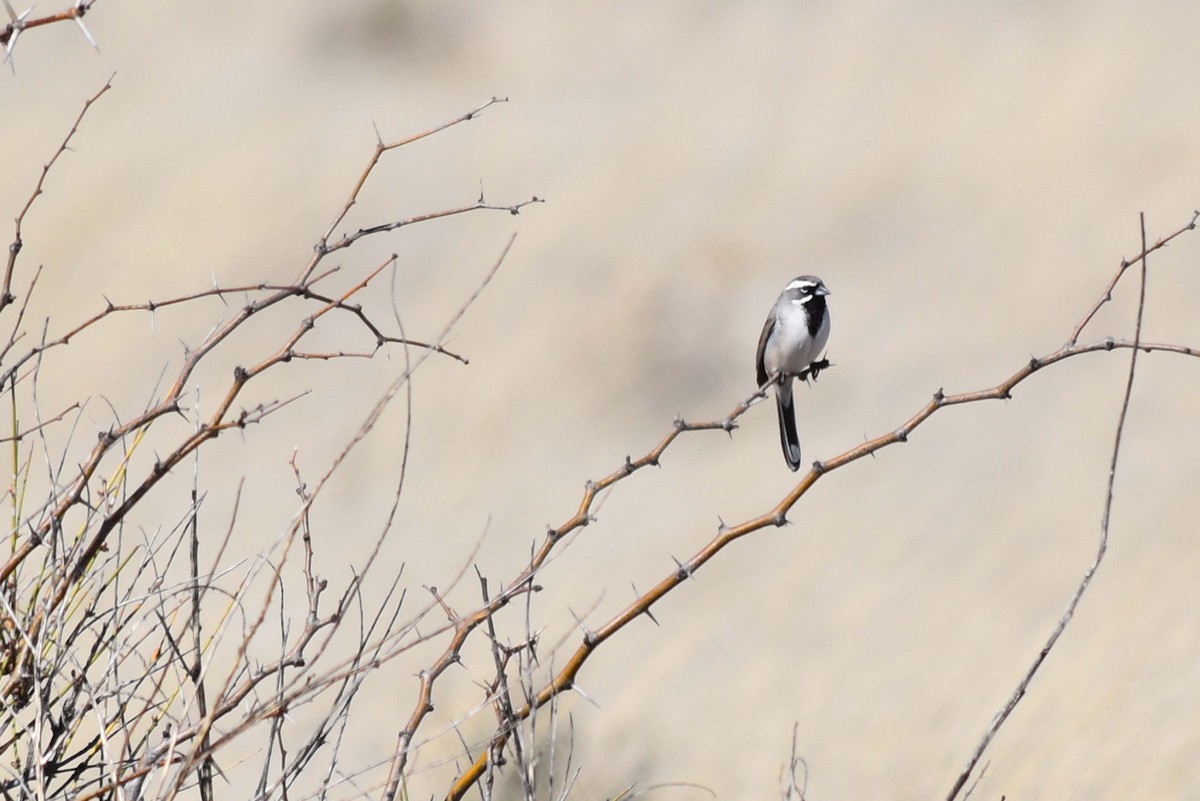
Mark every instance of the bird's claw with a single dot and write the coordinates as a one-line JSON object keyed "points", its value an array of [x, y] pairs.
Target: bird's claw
{"points": [[814, 369]]}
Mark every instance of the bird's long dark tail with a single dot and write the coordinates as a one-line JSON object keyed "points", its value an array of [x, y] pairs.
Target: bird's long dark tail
{"points": [[787, 425]]}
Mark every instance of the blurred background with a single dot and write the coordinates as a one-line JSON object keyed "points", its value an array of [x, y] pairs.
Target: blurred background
{"points": [[965, 178]]}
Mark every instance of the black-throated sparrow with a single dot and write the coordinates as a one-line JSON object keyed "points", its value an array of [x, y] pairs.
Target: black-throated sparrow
{"points": [[792, 339]]}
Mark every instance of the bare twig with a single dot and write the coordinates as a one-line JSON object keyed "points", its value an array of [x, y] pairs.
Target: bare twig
{"points": [[6, 296], [793, 790], [1126, 264], [1085, 582]]}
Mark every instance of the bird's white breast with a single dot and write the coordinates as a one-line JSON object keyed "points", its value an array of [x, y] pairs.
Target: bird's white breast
{"points": [[791, 348]]}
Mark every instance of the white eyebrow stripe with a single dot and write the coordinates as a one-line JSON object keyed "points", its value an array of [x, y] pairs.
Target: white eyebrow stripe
{"points": [[800, 282]]}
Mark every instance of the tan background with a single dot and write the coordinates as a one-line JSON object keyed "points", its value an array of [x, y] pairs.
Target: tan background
{"points": [[965, 178]]}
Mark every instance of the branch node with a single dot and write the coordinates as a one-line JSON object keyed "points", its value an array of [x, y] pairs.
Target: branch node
{"points": [[901, 435]]}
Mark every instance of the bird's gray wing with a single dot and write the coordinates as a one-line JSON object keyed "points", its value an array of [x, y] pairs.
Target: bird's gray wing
{"points": [[760, 368]]}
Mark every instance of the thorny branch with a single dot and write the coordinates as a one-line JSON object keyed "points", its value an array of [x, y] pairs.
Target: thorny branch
{"points": [[19, 23], [564, 680]]}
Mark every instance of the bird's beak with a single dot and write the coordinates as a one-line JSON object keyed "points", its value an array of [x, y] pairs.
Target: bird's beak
{"points": [[823, 291]]}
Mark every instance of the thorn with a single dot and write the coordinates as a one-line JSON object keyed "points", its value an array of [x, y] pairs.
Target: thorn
{"points": [[87, 34], [940, 395], [589, 636], [721, 527], [645, 611], [585, 696], [18, 25], [780, 520]]}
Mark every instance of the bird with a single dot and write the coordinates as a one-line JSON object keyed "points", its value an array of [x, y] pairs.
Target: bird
{"points": [[793, 337]]}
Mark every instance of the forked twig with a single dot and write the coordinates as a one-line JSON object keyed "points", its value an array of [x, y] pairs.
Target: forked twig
{"points": [[1085, 582]]}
